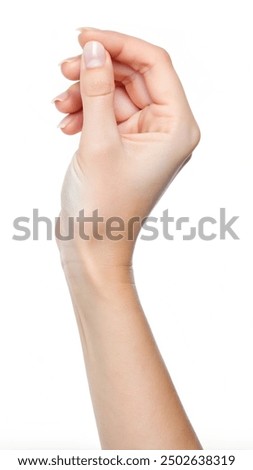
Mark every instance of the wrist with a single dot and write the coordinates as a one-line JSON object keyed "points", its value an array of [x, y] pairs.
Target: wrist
{"points": [[98, 289], [93, 273]]}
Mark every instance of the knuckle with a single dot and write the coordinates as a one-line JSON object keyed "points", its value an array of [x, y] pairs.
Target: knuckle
{"points": [[164, 55], [195, 135], [98, 87], [188, 133]]}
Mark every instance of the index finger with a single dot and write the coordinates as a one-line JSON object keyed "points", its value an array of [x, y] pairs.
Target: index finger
{"points": [[151, 61]]}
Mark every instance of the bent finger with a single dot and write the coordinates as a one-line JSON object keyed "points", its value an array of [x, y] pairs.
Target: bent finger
{"points": [[132, 80], [70, 100], [72, 123]]}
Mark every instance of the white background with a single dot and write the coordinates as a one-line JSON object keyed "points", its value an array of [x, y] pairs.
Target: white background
{"points": [[197, 294]]}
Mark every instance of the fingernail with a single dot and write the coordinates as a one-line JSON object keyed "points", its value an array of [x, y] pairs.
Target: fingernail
{"points": [[65, 121], [94, 54], [62, 97], [68, 60], [86, 28]]}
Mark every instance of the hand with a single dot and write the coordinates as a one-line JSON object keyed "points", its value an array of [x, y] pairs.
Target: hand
{"points": [[137, 132]]}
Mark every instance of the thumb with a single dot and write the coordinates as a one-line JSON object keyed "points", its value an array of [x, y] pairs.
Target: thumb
{"points": [[97, 92]]}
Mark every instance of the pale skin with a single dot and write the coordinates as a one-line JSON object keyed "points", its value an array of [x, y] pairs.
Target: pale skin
{"points": [[137, 131]]}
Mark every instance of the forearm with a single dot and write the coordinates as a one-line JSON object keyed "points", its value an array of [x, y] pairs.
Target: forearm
{"points": [[135, 403]]}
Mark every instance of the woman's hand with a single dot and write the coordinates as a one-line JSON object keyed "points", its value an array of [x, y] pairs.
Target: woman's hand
{"points": [[137, 131]]}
